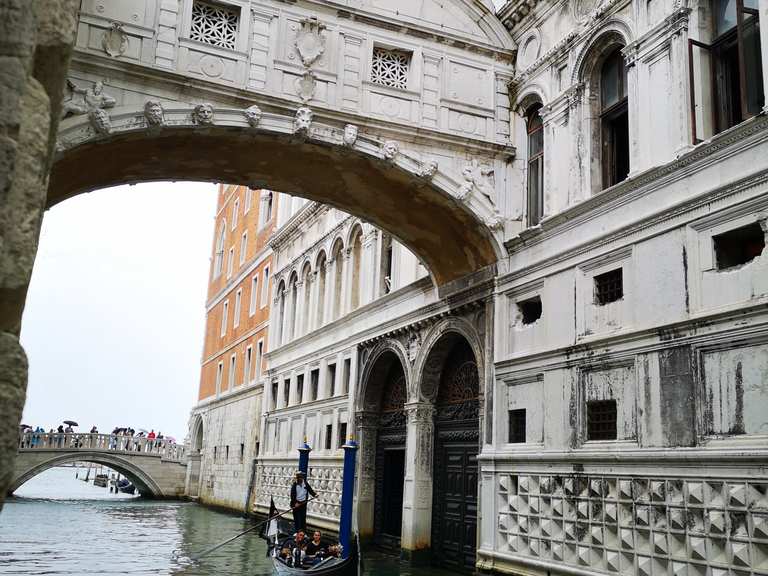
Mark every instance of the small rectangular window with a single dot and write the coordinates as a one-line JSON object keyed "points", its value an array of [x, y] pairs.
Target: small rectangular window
{"points": [[265, 287], [390, 68], [214, 453], [342, 433], [328, 436], [259, 354], [248, 200], [219, 372], [738, 247], [232, 369], [230, 261], [314, 382], [346, 375], [214, 24], [238, 303], [224, 314], [226, 454], [247, 367], [331, 379], [243, 247], [609, 287], [530, 309], [242, 453], [299, 388], [601, 420], [274, 395], [286, 391], [517, 426], [254, 295]]}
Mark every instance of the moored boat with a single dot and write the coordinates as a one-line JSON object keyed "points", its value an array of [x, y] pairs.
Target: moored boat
{"points": [[326, 567]]}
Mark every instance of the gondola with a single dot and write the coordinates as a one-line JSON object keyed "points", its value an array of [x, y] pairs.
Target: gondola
{"points": [[125, 486], [327, 567]]}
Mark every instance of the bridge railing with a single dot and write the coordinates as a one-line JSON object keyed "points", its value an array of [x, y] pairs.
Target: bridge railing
{"points": [[102, 442]]}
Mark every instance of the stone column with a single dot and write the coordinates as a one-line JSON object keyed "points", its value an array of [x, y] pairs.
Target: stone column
{"points": [[417, 495], [313, 300], [330, 290], [346, 282], [298, 314], [366, 425]]}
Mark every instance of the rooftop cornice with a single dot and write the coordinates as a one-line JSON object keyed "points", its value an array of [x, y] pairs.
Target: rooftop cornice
{"points": [[515, 11]]}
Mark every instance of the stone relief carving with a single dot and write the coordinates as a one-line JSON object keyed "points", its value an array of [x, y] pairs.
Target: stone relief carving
{"points": [[302, 121], [495, 221], [414, 344], [305, 86], [253, 115], [310, 41], [202, 115], [428, 169], [82, 100], [480, 177], [115, 40], [390, 149], [153, 113], [350, 135], [100, 121], [582, 9]]}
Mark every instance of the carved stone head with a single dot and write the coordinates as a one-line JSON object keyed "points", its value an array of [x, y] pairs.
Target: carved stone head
{"points": [[390, 150], [203, 114], [253, 115], [153, 112], [303, 119], [100, 121], [428, 169], [350, 134], [98, 87]]}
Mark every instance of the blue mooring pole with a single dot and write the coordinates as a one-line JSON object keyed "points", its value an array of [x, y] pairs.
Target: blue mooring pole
{"points": [[304, 451], [347, 496]]}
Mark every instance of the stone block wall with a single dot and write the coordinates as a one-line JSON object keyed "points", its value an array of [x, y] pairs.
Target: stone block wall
{"points": [[35, 46]]}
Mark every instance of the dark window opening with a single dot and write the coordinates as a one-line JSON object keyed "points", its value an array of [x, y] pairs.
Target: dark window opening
{"points": [[345, 375], [286, 391], [738, 247], [614, 118], [535, 129], [242, 452], [332, 379], [314, 383], [517, 426], [530, 309], [735, 64], [609, 287], [214, 453], [226, 454], [328, 436], [274, 395], [601, 420], [342, 433], [258, 448], [299, 388]]}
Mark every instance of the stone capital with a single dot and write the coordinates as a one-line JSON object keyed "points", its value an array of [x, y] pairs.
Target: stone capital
{"points": [[420, 413]]}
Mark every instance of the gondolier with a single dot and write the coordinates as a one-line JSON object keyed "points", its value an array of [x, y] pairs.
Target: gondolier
{"points": [[300, 493]]}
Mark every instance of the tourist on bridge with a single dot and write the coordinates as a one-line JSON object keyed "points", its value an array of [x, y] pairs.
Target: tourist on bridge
{"points": [[300, 492]]}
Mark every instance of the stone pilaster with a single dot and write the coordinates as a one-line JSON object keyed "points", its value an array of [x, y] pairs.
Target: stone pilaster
{"points": [[417, 496], [366, 425]]}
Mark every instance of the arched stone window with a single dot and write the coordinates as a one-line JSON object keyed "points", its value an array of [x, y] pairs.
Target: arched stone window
{"points": [[293, 294], [535, 131], [356, 279], [321, 282], [306, 316], [338, 278], [614, 118], [279, 329], [218, 261]]}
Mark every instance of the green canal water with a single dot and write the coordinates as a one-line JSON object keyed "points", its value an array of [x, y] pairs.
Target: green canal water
{"points": [[58, 525]]}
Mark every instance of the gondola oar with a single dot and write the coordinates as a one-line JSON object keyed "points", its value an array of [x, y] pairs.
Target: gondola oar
{"points": [[196, 557]]}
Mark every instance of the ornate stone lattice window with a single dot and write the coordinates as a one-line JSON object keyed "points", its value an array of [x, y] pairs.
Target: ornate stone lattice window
{"points": [[390, 68], [214, 24]]}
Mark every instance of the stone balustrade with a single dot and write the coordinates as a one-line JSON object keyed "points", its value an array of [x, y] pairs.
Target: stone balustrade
{"points": [[163, 448]]}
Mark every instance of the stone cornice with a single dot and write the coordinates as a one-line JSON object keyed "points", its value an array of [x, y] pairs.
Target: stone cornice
{"points": [[228, 397], [308, 253], [292, 229]]}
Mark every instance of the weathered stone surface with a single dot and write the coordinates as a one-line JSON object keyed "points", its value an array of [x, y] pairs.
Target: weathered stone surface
{"points": [[17, 28], [13, 385]]}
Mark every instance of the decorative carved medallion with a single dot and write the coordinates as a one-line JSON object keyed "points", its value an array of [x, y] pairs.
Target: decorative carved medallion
{"points": [[310, 41], [253, 115], [390, 149], [305, 86], [202, 115], [350, 135], [153, 113], [302, 121], [428, 169], [582, 9], [82, 100], [100, 121], [115, 40]]}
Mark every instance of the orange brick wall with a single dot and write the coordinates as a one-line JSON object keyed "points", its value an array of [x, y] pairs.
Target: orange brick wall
{"points": [[223, 288]]}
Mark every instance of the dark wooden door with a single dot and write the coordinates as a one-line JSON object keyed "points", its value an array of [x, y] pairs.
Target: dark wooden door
{"points": [[454, 509], [388, 514]]}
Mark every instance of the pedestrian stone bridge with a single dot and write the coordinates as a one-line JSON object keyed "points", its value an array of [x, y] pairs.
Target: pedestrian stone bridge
{"points": [[156, 467]]}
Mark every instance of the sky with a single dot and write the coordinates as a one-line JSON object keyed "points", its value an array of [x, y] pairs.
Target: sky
{"points": [[115, 315]]}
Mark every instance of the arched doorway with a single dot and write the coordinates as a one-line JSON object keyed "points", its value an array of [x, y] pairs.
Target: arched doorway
{"points": [[383, 429], [195, 459], [452, 365]]}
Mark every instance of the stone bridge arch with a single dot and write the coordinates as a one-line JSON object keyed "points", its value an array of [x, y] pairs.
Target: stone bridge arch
{"points": [[450, 225], [30, 464]]}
